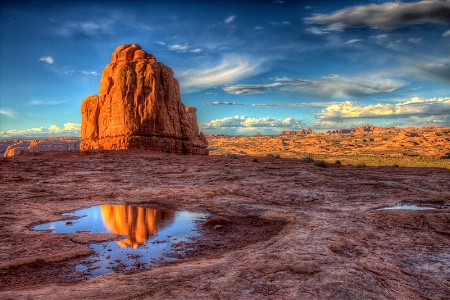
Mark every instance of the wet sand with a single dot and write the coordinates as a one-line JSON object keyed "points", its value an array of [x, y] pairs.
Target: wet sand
{"points": [[296, 231]]}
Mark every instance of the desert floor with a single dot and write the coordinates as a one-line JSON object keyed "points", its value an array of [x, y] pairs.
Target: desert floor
{"points": [[296, 231]]}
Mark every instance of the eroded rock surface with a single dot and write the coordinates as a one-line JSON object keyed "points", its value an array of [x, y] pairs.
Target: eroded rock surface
{"points": [[334, 243], [139, 107]]}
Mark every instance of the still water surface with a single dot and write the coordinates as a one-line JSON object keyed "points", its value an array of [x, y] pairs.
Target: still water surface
{"points": [[149, 235]]}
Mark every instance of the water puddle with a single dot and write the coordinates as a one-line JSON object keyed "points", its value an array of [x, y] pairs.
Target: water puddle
{"points": [[151, 234], [406, 207]]}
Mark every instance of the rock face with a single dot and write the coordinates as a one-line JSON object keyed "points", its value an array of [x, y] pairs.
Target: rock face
{"points": [[139, 107], [39, 145]]}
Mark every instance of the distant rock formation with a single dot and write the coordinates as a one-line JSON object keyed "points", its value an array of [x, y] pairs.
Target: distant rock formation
{"points": [[49, 144], [139, 107], [296, 132], [363, 129]]}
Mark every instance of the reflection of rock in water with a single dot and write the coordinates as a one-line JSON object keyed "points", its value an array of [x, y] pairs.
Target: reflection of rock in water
{"points": [[138, 223]]}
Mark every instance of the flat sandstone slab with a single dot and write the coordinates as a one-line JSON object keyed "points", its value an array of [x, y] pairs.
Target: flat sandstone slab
{"points": [[329, 240]]}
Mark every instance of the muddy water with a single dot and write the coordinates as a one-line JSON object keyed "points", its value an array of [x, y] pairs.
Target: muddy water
{"points": [[150, 235]]}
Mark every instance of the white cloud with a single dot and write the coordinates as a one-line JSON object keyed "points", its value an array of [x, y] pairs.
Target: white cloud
{"points": [[229, 19], [231, 69], [196, 50], [161, 43], [446, 34], [243, 124], [75, 127], [8, 113], [331, 86], [47, 59], [385, 16], [178, 47], [352, 41], [70, 129], [54, 129], [415, 107]]}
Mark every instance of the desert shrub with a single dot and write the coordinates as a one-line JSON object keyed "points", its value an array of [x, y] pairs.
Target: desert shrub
{"points": [[168, 150], [361, 165], [271, 155], [233, 156], [396, 166], [338, 162], [322, 164], [308, 159], [277, 156], [255, 160]]}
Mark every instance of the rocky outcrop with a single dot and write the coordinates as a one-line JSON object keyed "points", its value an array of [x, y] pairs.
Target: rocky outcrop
{"points": [[39, 145], [139, 107], [297, 132]]}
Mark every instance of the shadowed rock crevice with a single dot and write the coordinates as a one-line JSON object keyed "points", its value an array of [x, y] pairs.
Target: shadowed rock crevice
{"points": [[139, 107]]}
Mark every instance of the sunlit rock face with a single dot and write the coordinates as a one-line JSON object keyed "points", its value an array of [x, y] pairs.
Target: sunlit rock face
{"points": [[39, 145], [139, 107], [138, 223]]}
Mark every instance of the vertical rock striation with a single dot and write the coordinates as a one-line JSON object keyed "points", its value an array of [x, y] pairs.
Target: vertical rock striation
{"points": [[139, 107]]}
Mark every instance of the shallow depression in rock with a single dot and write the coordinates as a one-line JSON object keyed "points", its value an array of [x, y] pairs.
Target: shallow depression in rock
{"points": [[406, 207], [150, 234]]}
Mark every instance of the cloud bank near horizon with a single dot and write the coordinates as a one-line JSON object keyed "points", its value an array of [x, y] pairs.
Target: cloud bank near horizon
{"points": [[69, 129]]}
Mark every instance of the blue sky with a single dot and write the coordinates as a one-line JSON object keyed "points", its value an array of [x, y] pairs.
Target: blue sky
{"points": [[248, 66]]}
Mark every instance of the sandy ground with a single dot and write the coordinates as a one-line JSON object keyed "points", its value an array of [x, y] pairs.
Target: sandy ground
{"points": [[296, 231]]}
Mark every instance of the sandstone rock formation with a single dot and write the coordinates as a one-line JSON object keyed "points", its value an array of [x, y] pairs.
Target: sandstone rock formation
{"points": [[139, 107], [39, 145]]}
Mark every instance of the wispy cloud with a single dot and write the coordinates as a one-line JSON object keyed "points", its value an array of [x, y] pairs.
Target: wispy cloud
{"points": [[446, 34], [36, 102], [70, 129], [439, 68], [8, 113], [47, 59], [380, 36], [317, 31], [91, 73], [385, 16], [352, 41], [415, 40], [231, 69], [305, 104], [183, 48], [178, 47], [229, 19], [88, 28], [332, 86]]}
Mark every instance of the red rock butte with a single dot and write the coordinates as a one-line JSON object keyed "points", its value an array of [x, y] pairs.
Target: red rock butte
{"points": [[139, 107]]}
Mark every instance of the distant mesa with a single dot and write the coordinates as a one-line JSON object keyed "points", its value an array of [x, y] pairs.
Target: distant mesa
{"points": [[139, 107]]}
